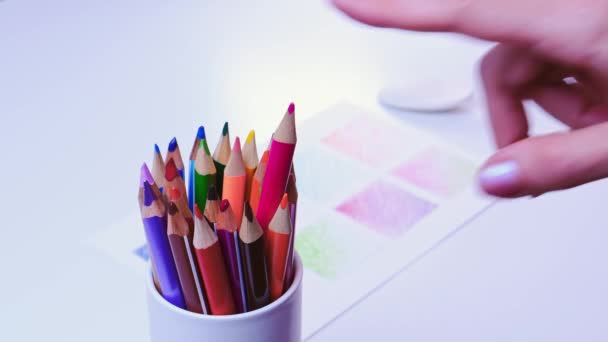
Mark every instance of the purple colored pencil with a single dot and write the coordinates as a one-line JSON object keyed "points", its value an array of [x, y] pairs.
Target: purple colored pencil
{"points": [[154, 218], [226, 231]]}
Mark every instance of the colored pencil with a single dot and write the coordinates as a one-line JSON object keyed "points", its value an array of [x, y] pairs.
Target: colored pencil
{"points": [[221, 156], [253, 259], [173, 179], [212, 208], [292, 199], [204, 176], [174, 152], [250, 159], [256, 183], [279, 164], [212, 267], [235, 179], [146, 176], [158, 168], [154, 218], [199, 141], [226, 229], [177, 232], [277, 237]]}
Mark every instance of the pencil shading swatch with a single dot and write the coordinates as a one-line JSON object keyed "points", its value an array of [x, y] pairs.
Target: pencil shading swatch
{"points": [[386, 208], [437, 171]]}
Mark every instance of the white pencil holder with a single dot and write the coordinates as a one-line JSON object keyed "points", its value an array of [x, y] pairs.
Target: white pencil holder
{"points": [[280, 321]]}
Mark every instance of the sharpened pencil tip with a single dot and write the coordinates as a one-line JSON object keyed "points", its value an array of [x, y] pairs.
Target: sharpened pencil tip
{"points": [[250, 137], [225, 129], [172, 208], [174, 194], [201, 132], [197, 211], [237, 145], [265, 157], [248, 212], [173, 145], [224, 205], [284, 201], [291, 109], [145, 175], [171, 170], [212, 194], [149, 195], [156, 149]]}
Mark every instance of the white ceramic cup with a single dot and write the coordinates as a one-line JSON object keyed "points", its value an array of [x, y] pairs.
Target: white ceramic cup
{"points": [[280, 321]]}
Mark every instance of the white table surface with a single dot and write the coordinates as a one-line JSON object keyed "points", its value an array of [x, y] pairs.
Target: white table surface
{"points": [[86, 87]]}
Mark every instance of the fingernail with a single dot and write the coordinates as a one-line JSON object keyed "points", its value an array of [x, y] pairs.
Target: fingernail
{"points": [[500, 178]]}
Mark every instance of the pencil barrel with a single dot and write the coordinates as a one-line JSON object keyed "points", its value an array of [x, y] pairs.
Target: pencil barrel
{"points": [[278, 246], [255, 273], [275, 181], [215, 279], [184, 272], [156, 236], [229, 250]]}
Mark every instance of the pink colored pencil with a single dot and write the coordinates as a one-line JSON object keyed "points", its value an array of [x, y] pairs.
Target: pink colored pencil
{"points": [[279, 164]]}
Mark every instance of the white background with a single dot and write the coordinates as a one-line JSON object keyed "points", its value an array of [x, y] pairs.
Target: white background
{"points": [[87, 87]]}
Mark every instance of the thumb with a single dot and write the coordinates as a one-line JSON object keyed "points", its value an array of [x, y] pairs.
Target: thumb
{"points": [[552, 162], [497, 20]]}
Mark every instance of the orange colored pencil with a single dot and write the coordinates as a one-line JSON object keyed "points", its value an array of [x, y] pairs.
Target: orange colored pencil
{"points": [[256, 182], [212, 267], [235, 178], [250, 159], [278, 234]]}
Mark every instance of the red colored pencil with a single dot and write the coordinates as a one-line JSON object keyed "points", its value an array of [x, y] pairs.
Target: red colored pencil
{"points": [[212, 267]]}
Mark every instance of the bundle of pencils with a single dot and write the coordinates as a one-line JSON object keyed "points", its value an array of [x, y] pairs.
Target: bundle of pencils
{"points": [[221, 241]]}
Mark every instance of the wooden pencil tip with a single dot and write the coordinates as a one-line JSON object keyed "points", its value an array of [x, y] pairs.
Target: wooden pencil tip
{"points": [[156, 149], [172, 208], [224, 205], [171, 170], [265, 157], [284, 201], [173, 144], [174, 194], [149, 195], [291, 109], [248, 212], [145, 175], [201, 132], [250, 137], [236, 148], [197, 211], [212, 194], [225, 131]]}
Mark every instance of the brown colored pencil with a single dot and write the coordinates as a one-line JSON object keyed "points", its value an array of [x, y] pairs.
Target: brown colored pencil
{"points": [[178, 231]]}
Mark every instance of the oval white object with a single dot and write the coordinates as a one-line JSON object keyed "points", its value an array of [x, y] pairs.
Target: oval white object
{"points": [[426, 96]]}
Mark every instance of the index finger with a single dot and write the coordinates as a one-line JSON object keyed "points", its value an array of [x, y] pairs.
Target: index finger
{"points": [[510, 21]]}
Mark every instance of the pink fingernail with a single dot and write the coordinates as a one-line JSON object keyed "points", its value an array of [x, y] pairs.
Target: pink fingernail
{"points": [[501, 178]]}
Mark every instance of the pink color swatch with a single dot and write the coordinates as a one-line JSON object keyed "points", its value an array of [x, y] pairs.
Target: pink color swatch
{"points": [[370, 141], [386, 209], [437, 172]]}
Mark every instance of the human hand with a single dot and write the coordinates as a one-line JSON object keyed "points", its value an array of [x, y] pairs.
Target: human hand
{"points": [[554, 52]]}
